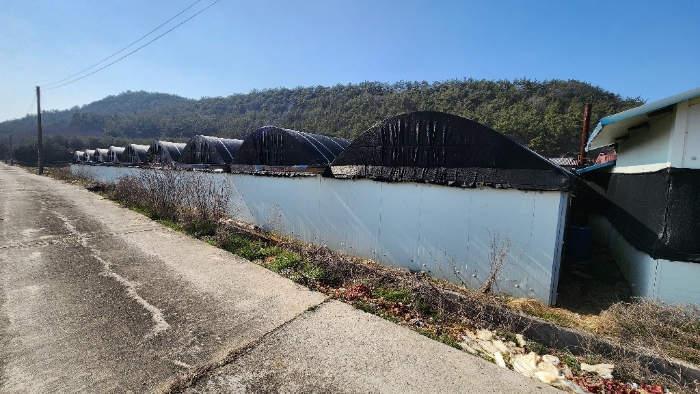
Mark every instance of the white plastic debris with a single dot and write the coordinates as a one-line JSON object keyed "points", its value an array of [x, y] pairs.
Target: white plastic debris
{"points": [[603, 370], [525, 364], [468, 348], [569, 386], [547, 376], [548, 358], [548, 369], [499, 360], [489, 347], [484, 335], [521, 340], [501, 346]]}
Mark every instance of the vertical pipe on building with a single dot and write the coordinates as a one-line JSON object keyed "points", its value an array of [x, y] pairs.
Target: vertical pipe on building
{"points": [[584, 134]]}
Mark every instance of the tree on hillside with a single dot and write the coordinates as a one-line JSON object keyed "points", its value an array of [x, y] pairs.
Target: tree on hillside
{"points": [[544, 115]]}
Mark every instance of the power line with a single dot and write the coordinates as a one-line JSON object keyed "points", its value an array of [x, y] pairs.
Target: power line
{"points": [[123, 49], [135, 50], [31, 105]]}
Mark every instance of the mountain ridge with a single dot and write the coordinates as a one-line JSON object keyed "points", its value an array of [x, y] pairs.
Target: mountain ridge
{"points": [[543, 115]]}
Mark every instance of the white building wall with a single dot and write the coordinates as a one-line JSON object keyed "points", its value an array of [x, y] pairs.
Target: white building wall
{"points": [[672, 140], [671, 281], [646, 150], [691, 138], [445, 231]]}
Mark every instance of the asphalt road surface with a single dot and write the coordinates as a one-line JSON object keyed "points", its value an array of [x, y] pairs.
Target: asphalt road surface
{"points": [[97, 298]]}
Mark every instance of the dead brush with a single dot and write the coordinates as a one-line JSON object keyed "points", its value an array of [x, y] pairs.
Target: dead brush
{"points": [[60, 173], [194, 200], [163, 193], [203, 205], [673, 331], [129, 191], [453, 303]]}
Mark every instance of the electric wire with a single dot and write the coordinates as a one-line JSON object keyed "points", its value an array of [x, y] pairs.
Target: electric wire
{"points": [[135, 50], [31, 105], [123, 49]]}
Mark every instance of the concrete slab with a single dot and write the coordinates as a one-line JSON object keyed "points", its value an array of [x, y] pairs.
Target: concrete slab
{"points": [[339, 349]]}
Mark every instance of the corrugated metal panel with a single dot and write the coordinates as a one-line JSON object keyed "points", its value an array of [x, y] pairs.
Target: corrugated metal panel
{"points": [[678, 282], [445, 233], [364, 217], [400, 214], [564, 161], [413, 226]]}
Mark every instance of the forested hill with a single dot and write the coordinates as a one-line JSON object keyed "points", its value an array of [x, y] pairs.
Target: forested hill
{"points": [[546, 116]]}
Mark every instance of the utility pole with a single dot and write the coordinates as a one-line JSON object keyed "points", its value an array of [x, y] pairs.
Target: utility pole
{"points": [[38, 124], [11, 158]]}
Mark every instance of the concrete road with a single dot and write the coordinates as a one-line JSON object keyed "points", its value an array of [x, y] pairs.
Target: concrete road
{"points": [[97, 298]]}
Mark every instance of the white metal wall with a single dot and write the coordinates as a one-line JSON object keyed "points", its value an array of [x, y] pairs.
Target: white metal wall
{"points": [[445, 231], [646, 150], [691, 146], [669, 281]]}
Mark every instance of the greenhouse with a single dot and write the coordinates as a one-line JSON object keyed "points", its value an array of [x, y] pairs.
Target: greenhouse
{"points": [[165, 152], [439, 148], [274, 148], [115, 154], [100, 155], [78, 156], [135, 154], [88, 155], [208, 150]]}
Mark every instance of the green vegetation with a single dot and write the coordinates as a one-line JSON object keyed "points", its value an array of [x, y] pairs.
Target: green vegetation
{"points": [[400, 295], [248, 249], [546, 115], [444, 338]]}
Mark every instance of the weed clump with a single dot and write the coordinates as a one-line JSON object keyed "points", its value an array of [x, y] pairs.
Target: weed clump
{"points": [[194, 201], [673, 331]]}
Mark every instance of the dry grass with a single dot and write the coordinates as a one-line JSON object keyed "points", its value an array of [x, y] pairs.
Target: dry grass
{"points": [[555, 315], [442, 311], [192, 200], [673, 331]]}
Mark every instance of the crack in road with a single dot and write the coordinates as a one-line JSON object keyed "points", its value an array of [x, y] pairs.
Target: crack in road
{"points": [[56, 239], [186, 381], [156, 314]]}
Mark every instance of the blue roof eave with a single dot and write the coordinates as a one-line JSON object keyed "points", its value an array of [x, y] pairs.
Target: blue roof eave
{"points": [[604, 136], [596, 167]]}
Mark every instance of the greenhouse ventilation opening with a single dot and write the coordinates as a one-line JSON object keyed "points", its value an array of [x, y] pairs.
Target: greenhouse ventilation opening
{"points": [[272, 148], [165, 152], [208, 150]]}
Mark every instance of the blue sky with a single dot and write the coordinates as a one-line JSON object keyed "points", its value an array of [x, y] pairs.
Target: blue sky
{"points": [[639, 48]]}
